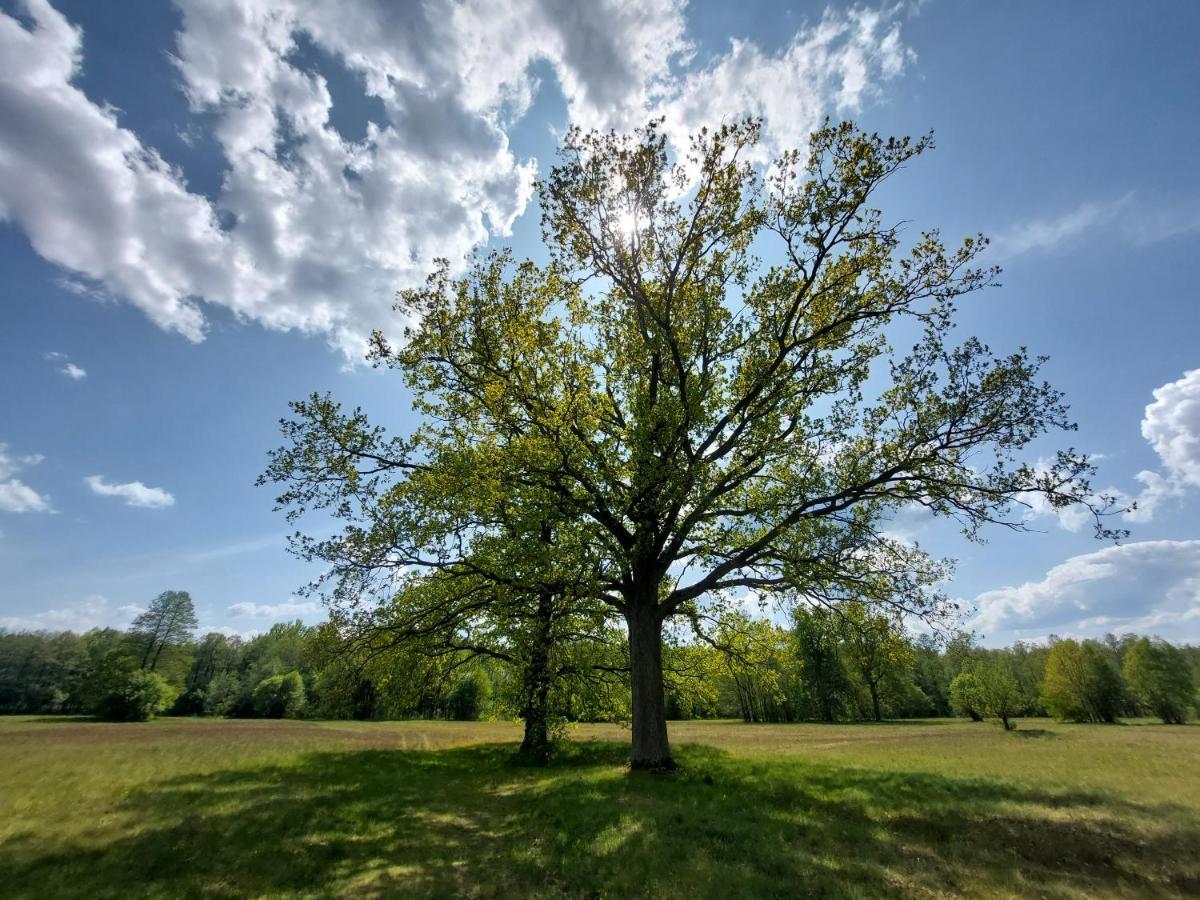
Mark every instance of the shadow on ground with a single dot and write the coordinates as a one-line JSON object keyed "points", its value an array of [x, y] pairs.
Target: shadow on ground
{"points": [[469, 822]]}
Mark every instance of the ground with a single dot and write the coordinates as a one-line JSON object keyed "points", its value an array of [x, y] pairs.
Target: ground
{"points": [[179, 808]]}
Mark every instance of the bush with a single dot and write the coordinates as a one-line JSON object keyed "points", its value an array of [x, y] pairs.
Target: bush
{"points": [[224, 695], [133, 695], [280, 697]]}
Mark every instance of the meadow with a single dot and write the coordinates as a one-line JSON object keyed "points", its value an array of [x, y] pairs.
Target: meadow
{"points": [[229, 808]]}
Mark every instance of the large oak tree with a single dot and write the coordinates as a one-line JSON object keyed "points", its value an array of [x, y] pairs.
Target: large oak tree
{"points": [[705, 380]]}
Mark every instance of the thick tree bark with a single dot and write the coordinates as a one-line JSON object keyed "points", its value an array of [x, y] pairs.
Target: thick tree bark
{"points": [[651, 749], [536, 744], [875, 702]]}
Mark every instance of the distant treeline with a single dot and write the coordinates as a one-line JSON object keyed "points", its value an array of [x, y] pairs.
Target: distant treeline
{"points": [[830, 664]]}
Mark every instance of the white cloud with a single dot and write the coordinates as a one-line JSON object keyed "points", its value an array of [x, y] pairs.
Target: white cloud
{"points": [[290, 609], [834, 65], [1171, 426], [1145, 587], [93, 611], [67, 367], [134, 493], [312, 230], [15, 495], [1050, 233], [1134, 220]]}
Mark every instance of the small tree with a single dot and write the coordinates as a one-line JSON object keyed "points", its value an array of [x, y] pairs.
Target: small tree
{"points": [[1080, 685], [169, 621], [997, 689], [1160, 679], [964, 696], [280, 696]]}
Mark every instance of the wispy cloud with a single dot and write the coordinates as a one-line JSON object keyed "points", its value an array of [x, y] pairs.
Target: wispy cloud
{"points": [[15, 495], [1131, 218], [289, 609], [134, 493], [1050, 233], [93, 611], [64, 365]]}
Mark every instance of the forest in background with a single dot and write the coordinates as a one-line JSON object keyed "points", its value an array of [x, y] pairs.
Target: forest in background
{"points": [[842, 663]]}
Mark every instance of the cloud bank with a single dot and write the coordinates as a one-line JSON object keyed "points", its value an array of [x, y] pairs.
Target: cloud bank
{"points": [[1148, 587], [314, 230]]}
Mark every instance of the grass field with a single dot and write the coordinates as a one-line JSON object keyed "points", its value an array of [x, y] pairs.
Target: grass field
{"points": [[179, 808]]}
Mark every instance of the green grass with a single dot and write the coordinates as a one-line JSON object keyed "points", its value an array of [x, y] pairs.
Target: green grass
{"points": [[179, 808]]}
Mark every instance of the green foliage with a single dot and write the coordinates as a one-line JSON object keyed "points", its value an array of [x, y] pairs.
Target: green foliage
{"points": [[996, 689], [126, 693], [468, 697], [657, 419], [1080, 684], [1159, 678], [964, 697], [822, 671], [222, 695], [759, 667], [280, 696], [168, 623], [875, 649]]}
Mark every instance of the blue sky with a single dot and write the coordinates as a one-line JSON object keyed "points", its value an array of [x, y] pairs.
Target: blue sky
{"points": [[205, 205]]}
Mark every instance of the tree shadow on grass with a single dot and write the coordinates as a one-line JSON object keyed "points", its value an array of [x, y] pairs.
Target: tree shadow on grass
{"points": [[467, 822]]}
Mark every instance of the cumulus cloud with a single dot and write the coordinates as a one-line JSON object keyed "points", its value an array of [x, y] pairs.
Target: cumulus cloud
{"points": [[833, 66], [134, 493], [1171, 426], [65, 366], [289, 609], [313, 230], [1150, 587], [15, 495]]}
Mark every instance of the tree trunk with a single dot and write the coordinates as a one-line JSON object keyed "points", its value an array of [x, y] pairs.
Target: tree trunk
{"points": [[650, 747], [536, 744], [875, 702]]}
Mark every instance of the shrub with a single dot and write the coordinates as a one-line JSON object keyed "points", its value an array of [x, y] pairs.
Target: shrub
{"points": [[223, 695], [280, 696], [133, 695]]}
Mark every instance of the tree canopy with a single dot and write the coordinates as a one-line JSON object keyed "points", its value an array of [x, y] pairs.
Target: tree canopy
{"points": [[703, 391]]}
